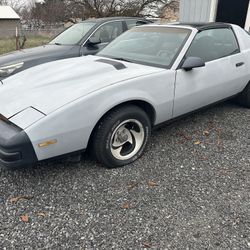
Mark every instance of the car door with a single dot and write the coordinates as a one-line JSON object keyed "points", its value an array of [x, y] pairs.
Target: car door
{"points": [[105, 34], [224, 74]]}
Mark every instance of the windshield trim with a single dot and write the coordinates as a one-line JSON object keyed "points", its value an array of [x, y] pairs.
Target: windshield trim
{"points": [[181, 47]]}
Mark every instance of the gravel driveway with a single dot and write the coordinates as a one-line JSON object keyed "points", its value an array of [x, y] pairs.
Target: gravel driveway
{"points": [[190, 190]]}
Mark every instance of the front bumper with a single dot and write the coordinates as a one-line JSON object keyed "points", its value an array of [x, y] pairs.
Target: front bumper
{"points": [[16, 149]]}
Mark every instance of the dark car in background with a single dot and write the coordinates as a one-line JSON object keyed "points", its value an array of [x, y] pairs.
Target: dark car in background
{"points": [[84, 38]]}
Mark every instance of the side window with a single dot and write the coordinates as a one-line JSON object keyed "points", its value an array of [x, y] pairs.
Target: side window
{"points": [[108, 32], [214, 44], [134, 22]]}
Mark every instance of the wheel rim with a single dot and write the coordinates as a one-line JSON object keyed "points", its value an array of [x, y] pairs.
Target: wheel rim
{"points": [[127, 139]]}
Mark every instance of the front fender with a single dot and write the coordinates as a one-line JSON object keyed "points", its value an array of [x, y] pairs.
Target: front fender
{"points": [[72, 124]]}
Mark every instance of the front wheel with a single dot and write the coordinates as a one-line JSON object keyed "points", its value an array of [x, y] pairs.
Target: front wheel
{"points": [[121, 136]]}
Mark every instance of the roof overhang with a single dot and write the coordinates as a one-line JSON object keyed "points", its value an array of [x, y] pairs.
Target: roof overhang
{"points": [[6, 12]]}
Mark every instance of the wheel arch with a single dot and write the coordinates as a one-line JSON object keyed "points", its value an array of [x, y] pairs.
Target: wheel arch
{"points": [[144, 105]]}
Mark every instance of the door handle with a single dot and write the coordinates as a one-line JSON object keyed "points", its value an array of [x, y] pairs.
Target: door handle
{"points": [[240, 64]]}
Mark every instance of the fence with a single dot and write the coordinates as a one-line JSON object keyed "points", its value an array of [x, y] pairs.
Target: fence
{"points": [[10, 33], [26, 38]]}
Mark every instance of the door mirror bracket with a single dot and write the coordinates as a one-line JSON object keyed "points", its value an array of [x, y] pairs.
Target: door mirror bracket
{"points": [[192, 62]]}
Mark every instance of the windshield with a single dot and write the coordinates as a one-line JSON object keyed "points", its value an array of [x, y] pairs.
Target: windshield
{"points": [[74, 34], [154, 46]]}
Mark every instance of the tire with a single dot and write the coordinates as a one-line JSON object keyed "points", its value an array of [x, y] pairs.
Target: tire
{"points": [[121, 137], [244, 98]]}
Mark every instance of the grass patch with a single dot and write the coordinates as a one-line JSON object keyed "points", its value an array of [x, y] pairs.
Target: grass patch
{"points": [[9, 44], [36, 41]]}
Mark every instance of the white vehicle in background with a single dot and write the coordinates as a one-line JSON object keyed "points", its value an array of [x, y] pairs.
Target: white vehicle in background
{"points": [[110, 102]]}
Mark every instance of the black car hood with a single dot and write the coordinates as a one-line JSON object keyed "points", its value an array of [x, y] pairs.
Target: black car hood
{"points": [[34, 53], [38, 55], [46, 51]]}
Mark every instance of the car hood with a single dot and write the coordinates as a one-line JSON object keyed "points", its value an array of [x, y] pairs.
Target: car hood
{"points": [[50, 86], [25, 55]]}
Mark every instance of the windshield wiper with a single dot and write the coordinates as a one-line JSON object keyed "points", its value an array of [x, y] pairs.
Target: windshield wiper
{"points": [[58, 44]]}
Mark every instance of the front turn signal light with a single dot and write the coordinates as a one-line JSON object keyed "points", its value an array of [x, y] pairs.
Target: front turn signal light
{"points": [[47, 143]]}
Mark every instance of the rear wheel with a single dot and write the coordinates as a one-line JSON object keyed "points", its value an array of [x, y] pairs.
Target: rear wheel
{"points": [[244, 97], [121, 136]]}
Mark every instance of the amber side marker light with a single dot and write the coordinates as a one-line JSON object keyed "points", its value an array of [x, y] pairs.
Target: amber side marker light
{"points": [[47, 143]]}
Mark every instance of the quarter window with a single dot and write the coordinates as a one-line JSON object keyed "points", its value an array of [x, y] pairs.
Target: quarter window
{"points": [[214, 44]]}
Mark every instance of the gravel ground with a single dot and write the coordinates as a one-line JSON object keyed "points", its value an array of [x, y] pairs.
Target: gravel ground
{"points": [[190, 190]]}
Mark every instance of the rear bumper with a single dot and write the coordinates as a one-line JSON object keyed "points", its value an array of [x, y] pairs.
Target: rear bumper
{"points": [[16, 149]]}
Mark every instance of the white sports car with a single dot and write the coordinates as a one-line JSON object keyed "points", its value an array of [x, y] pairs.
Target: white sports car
{"points": [[110, 102]]}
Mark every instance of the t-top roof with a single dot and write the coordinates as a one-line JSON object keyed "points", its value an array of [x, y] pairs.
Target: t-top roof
{"points": [[6, 12]]}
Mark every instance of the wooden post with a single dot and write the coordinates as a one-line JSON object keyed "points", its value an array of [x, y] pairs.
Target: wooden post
{"points": [[17, 39]]}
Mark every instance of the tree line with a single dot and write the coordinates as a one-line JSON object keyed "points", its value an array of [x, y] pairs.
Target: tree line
{"points": [[56, 11]]}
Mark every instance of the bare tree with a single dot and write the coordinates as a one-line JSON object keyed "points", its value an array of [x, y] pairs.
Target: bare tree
{"points": [[3, 2], [55, 11], [15, 4], [170, 7], [103, 8]]}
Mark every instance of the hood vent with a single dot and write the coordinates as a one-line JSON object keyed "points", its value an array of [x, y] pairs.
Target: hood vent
{"points": [[117, 65]]}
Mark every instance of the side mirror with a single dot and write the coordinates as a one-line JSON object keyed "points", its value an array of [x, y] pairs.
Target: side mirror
{"points": [[192, 62], [94, 41]]}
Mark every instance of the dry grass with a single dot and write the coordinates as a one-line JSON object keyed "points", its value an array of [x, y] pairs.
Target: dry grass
{"points": [[9, 44]]}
